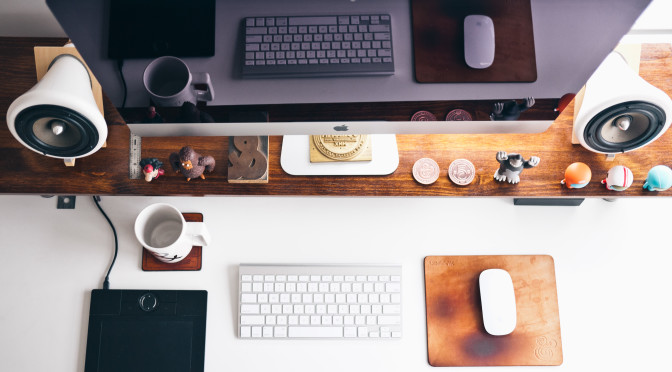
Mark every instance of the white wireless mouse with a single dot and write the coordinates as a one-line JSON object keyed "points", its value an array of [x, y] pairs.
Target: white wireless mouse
{"points": [[498, 302], [479, 41]]}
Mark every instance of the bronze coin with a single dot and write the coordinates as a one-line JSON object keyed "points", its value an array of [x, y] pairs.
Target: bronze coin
{"points": [[423, 116], [340, 147], [426, 171], [458, 115], [462, 172]]}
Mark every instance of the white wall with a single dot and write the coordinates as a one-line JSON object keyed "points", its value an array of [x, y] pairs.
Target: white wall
{"points": [[28, 18]]}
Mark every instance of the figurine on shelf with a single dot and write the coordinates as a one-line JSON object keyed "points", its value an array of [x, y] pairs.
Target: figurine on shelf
{"points": [[619, 178], [510, 110], [189, 113], [511, 165], [151, 168], [191, 164], [659, 178], [577, 175], [151, 116]]}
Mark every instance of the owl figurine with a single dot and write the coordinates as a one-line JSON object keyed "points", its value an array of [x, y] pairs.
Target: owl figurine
{"points": [[191, 164]]}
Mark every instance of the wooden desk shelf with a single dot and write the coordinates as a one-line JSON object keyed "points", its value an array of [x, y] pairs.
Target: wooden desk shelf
{"points": [[106, 172]]}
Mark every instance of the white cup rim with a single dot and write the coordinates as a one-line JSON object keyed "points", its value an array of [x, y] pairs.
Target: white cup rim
{"points": [[143, 218], [153, 64]]}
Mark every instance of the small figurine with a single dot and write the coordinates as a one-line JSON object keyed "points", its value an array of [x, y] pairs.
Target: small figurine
{"points": [[510, 166], [577, 175], [151, 116], [619, 178], [510, 110], [659, 178], [189, 113], [191, 164], [151, 168]]}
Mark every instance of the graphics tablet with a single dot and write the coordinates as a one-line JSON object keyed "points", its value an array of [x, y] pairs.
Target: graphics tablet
{"points": [[143, 330]]}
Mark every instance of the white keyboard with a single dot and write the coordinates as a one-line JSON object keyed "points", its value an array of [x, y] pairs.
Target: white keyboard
{"points": [[320, 301]]}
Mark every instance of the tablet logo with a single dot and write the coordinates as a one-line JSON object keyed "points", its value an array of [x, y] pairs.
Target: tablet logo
{"points": [[441, 262], [546, 348], [341, 128]]}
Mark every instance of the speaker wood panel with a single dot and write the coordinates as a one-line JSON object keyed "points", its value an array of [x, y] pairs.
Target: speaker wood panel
{"points": [[43, 58]]}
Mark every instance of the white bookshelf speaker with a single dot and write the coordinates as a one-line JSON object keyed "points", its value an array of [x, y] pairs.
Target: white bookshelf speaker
{"points": [[619, 111], [59, 117]]}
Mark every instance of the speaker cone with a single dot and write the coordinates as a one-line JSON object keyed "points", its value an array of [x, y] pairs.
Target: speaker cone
{"points": [[56, 131], [625, 126]]}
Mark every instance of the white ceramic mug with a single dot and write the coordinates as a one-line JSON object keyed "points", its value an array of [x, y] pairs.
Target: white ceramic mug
{"points": [[162, 230], [170, 83]]}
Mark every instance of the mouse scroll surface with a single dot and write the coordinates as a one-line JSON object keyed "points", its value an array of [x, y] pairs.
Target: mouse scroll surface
{"points": [[479, 41], [498, 302]]}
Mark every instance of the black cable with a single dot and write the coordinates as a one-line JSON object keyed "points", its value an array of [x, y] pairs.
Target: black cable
{"points": [[120, 67], [106, 282]]}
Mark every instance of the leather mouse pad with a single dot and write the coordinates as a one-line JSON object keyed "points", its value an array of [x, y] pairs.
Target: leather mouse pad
{"points": [[438, 41], [455, 332]]}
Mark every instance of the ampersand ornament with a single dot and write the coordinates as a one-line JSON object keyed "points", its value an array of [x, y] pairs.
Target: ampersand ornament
{"points": [[246, 161]]}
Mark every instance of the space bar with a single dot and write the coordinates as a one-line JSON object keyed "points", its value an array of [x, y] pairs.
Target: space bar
{"points": [[315, 332], [312, 21]]}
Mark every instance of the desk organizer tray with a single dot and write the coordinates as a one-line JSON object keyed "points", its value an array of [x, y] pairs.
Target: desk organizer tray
{"points": [[438, 41], [455, 332]]}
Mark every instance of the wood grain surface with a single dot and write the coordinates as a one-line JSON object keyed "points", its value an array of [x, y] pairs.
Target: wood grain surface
{"points": [[455, 332], [106, 171]]}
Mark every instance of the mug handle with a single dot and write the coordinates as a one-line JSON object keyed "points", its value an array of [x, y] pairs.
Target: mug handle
{"points": [[203, 78], [198, 233]]}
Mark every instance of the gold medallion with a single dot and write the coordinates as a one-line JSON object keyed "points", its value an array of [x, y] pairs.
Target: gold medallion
{"points": [[340, 147]]}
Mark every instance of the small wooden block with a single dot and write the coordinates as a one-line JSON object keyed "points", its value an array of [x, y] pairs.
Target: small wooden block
{"points": [[248, 159], [43, 58], [192, 262]]}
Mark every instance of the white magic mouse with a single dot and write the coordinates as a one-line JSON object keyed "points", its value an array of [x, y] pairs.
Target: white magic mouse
{"points": [[479, 41], [498, 302]]}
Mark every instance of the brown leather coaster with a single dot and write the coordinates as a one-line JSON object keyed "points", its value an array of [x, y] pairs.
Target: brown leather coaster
{"points": [[192, 262], [455, 332], [438, 41]]}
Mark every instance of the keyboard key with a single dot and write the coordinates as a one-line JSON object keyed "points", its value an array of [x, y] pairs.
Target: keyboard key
{"points": [[315, 332], [389, 320], [249, 309], [251, 319]]}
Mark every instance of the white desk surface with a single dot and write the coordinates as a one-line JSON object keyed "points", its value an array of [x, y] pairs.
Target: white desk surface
{"points": [[612, 265]]}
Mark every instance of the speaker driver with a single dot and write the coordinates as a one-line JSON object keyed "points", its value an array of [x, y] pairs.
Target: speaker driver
{"points": [[624, 127], [56, 131]]}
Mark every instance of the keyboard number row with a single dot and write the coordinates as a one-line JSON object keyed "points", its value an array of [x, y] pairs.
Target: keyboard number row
{"points": [[318, 278], [390, 287]]}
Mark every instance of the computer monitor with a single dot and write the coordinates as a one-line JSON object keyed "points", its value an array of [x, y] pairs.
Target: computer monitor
{"points": [[571, 38]]}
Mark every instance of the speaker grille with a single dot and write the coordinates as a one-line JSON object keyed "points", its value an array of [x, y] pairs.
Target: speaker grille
{"points": [[34, 126], [646, 121]]}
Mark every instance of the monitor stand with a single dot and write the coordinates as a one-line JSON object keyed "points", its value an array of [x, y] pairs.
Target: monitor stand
{"points": [[295, 158]]}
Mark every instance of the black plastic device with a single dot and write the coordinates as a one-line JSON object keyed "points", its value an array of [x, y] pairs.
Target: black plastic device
{"points": [[144, 330], [155, 28]]}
